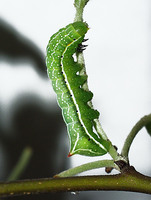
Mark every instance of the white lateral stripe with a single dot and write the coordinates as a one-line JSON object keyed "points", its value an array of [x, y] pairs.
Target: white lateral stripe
{"points": [[71, 92], [74, 100]]}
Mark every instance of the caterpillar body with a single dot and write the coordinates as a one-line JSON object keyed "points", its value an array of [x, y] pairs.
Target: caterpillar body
{"points": [[72, 98]]}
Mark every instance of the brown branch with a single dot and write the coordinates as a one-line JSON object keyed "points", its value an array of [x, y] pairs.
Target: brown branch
{"points": [[128, 180]]}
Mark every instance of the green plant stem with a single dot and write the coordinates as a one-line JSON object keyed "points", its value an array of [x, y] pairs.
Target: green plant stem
{"points": [[128, 142], [86, 167], [79, 5], [21, 164], [111, 149], [129, 180]]}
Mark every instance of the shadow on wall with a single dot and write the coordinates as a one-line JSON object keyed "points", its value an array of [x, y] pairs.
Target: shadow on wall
{"points": [[33, 124], [38, 127], [15, 48]]}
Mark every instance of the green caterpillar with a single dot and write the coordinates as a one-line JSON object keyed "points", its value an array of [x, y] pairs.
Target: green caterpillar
{"points": [[72, 98]]}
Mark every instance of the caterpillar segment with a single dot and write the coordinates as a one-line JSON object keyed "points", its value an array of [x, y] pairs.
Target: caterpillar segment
{"points": [[72, 98]]}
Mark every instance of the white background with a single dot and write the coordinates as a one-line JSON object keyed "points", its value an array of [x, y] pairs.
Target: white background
{"points": [[117, 62]]}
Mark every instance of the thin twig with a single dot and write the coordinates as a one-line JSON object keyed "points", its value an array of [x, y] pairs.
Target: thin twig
{"points": [[21, 164], [88, 166], [128, 142]]}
